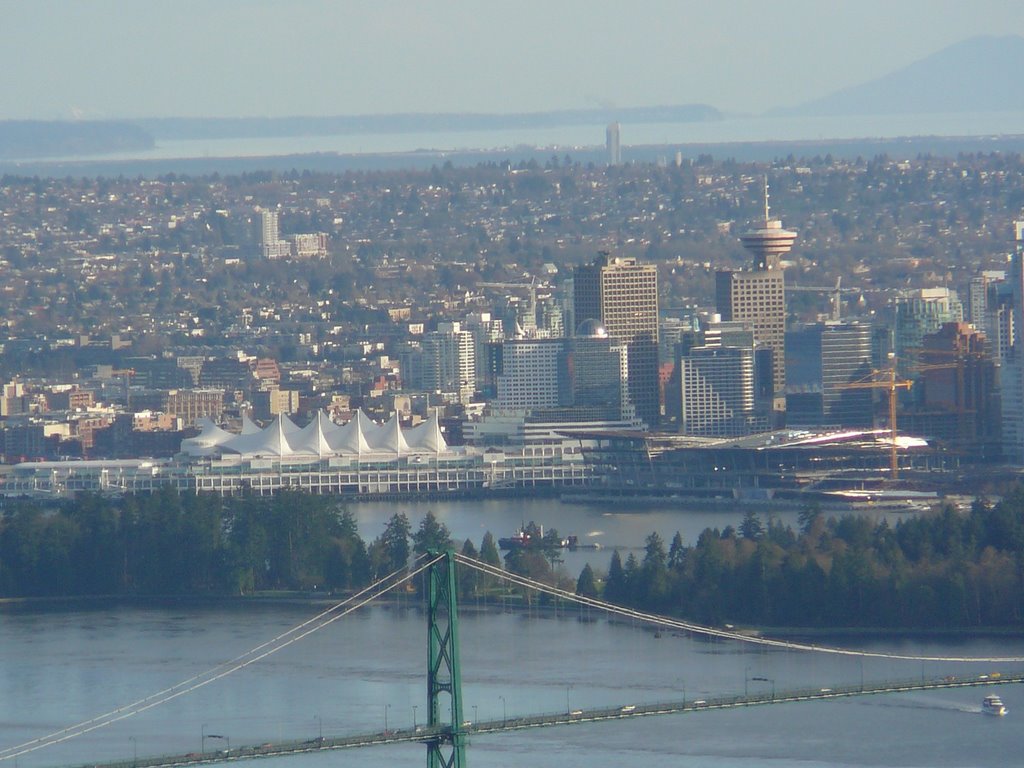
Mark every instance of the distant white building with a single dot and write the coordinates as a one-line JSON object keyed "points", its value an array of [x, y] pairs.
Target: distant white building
{"points": [[310, 246], [273, 246], [301, 246]]}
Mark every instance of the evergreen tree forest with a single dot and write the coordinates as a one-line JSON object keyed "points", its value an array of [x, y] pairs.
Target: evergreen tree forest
{"points": [[946, 569], [171, 544], [940, 570]]}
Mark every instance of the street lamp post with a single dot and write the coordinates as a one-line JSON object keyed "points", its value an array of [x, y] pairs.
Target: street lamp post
{"points": [[414, 717], [320, 723], [474, 713], [746, 681], [202, 740], [568, 709], [386, 708], [135, 751], [504, 712], [766, 680]]}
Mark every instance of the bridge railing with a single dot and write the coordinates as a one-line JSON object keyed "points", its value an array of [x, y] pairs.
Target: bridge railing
{"points": [[750, 699], [426, 733]]}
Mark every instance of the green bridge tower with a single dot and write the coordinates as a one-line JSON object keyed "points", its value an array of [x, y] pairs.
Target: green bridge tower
{"points": [[448, 748]]}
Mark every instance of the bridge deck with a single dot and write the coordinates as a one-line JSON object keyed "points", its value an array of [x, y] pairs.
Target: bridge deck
{"points": [[425, 734]]}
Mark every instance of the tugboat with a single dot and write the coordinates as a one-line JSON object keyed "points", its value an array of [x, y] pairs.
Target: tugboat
{"points": [[993, 705], [532, 535], [519, 540]]}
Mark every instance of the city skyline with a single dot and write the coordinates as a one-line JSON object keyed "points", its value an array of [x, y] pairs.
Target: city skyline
{"points": [[125, 60]]}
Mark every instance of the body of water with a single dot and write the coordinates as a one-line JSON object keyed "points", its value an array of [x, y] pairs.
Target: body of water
{"points": [[622, 524], [61, 667], [566, 139]]}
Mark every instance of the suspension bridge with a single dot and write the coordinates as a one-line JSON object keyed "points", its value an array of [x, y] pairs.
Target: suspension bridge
{"points": [[446, 732]]}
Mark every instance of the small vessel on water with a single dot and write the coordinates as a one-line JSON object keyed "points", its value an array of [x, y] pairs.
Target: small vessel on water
{"points": [[532, 535], [993, 705]]}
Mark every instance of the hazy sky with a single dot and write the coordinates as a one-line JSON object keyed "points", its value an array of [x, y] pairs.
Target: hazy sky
{"points": [[129, 58]]}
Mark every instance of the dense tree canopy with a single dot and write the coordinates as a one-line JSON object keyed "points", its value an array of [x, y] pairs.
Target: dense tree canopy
{"points": [[944, 569]]}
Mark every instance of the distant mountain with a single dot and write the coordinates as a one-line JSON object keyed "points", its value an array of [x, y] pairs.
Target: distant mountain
{"points": [[178, 128], [40, 138], [981, 74]]}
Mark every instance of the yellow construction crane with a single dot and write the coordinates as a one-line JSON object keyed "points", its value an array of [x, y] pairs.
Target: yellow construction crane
{"points": [[959, 362], [885, 379]]}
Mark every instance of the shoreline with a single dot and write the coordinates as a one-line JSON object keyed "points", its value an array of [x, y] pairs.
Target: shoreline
{"points": [[332, 161]]}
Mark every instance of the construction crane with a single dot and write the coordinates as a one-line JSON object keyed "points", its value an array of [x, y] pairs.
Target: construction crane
{"points": [[885, 379], [835, 292], [958, 360]]}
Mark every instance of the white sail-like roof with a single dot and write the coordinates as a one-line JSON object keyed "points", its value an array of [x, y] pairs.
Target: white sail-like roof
{"points": [[272, 441], [209, 438], [313, 437], [321, 437], [288, 426], [249, 427], [389, 437], [351, 438], [427, 436]]}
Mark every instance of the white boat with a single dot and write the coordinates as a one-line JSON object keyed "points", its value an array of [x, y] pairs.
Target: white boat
{"points": [[993, 705]]}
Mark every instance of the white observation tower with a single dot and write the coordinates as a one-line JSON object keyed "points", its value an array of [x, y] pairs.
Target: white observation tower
{"points": [[770, 242]]}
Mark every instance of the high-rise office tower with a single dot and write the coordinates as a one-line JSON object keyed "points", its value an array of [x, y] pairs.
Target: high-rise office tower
{"points": [[1011, 374], [990, 310], [820, 359], [758, 295], [977, 296], [529, 376], [612, 140], [954, 398], [717, 392], [583, 378], [713, 391], [623, 295], [449, 362], [597, 372], [488, 333], [917, 314]]}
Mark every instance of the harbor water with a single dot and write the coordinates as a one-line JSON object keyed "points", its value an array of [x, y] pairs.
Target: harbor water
{"points": [[64, 664]]}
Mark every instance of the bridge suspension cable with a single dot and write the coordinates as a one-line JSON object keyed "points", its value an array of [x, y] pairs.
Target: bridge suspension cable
{"points": [[700, 629], [259, 652]]}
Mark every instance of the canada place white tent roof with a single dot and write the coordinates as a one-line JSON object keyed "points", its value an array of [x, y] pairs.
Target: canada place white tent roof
{"points": [[321, 437]]}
